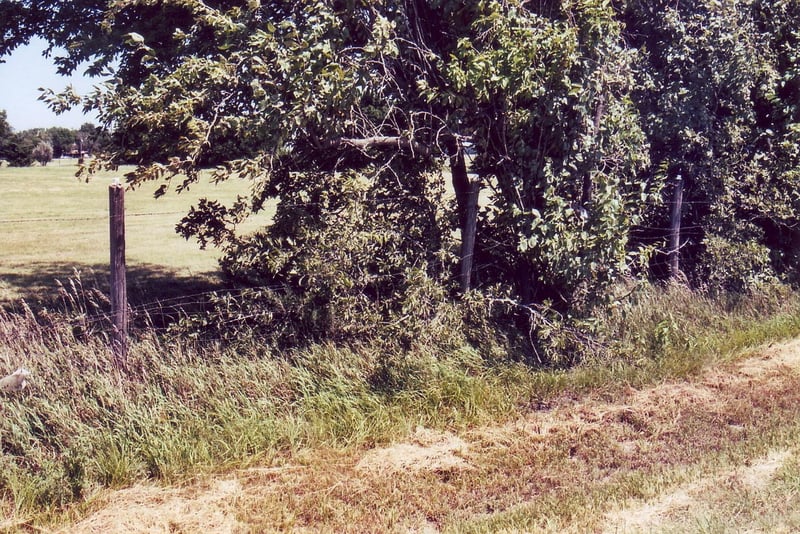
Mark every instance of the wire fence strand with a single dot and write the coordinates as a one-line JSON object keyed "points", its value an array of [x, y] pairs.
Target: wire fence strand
{"points": [[33, 220]]}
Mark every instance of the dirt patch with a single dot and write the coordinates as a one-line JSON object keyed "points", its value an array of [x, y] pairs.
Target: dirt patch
{"points": [[658, 410], [759, 475], [428, 450], [148, 509], [771, 361]]}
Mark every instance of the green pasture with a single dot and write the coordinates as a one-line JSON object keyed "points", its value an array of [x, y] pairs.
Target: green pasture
{"points": [[53, 225]]}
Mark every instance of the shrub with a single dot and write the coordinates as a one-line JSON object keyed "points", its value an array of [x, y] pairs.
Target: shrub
{"points": [[731, 265], [43, 153], [337, 263]]}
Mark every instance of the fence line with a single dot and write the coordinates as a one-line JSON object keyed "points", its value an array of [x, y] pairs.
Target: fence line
{"points": [[87, 218]]}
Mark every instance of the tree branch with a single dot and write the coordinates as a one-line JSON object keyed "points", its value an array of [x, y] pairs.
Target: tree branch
{"points": [[363, 143]]}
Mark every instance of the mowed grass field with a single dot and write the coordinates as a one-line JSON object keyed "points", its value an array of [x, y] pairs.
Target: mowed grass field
{"points": [[53, 225]]}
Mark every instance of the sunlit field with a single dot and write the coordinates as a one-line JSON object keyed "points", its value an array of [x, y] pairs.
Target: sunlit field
{"points": [[53, 225]]}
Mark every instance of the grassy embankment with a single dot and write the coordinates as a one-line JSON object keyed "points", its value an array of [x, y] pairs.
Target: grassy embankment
{"points": [[183, 408]]}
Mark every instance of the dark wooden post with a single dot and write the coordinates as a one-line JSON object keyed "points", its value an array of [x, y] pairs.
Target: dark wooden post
{"points": [[675, 229], [119, 297], [468, 232], [467, 190]]}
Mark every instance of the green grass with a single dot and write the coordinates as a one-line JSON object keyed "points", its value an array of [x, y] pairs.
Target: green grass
{"points": [[52, 224], [184, 408]]}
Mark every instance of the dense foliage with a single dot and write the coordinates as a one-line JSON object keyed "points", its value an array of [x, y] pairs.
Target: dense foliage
{"points": [[717, 91], [416, 148]]}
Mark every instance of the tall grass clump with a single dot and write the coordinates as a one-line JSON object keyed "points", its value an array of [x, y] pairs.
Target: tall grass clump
{"points": [[674, 329], [185, 405], [182, 406]]}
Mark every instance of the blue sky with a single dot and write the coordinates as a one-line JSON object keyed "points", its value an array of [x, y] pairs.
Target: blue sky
{"points": [[24, 71]]}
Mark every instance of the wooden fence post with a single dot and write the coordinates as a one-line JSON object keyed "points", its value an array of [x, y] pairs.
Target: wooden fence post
{"points": [[119, 296], [469, 232], [675, 229], [467, 189]]}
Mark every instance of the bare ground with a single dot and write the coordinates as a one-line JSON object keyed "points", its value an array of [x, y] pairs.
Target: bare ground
{"points": [[583, 465]]}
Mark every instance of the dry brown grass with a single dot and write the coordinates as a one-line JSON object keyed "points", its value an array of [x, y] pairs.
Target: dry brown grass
{"points": [[210, 504], [581, 465], [647, 516]]}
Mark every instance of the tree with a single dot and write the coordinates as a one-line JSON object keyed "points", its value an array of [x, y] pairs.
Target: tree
{"points": [[711, 90], [356, 107], [768, 194], [61, 139], [93, 139], [43, 152], [19, 147], [557, 142], [6, 136]]}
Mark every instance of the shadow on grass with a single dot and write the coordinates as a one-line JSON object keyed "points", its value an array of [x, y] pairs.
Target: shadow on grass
{"points": [[155, 292]]}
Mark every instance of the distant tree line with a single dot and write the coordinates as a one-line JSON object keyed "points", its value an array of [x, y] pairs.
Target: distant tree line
{"points": [[42, 145]]}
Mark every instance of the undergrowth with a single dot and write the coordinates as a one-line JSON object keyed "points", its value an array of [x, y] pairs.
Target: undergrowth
{"points": [[184, 407]]}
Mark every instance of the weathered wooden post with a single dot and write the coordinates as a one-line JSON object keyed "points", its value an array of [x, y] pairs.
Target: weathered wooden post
{"points": [[469, 232], [467, 189], [119, 291], [675, 229]]}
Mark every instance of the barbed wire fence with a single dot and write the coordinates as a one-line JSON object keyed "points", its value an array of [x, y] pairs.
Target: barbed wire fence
{"points": [[99, 319]]}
